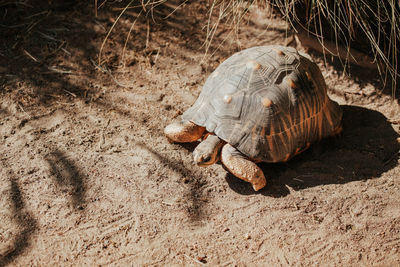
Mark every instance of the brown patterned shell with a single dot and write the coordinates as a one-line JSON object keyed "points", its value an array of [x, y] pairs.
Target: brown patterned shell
{"points": [[269, 102]]}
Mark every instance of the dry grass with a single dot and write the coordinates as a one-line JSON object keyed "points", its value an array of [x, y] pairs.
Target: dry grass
{"points": [[371, 26], [147, 9]]}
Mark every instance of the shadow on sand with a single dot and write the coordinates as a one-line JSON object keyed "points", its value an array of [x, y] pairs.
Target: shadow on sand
{"points": [[23, 219], [195, 207], [67, 176]]}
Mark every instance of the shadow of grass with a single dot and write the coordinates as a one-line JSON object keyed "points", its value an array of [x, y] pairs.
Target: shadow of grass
{"points": [[195, 206], [51, 48], [366, 149], [37, 36], [68, 176], [23, 219]]}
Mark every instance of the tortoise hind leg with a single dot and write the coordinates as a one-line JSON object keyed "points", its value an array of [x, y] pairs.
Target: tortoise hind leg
{"points": [[183, 132], [242, 167]]}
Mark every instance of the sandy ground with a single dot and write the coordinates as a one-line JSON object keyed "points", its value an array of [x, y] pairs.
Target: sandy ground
{"points": [[87, 177]]}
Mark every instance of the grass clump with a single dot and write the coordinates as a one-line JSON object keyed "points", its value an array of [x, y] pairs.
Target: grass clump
{"points": [[372, 27]]}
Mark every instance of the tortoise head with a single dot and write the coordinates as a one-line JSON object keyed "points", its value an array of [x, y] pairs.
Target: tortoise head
{"points": [[208, 151]]}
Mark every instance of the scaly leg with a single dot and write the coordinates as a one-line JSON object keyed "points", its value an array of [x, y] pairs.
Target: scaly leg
{"points": [[183, 132], [243, 168]]}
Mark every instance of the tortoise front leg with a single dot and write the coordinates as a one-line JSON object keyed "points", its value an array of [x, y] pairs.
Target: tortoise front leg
{"points": [[242, 167], [208, 151], [183, 131]]}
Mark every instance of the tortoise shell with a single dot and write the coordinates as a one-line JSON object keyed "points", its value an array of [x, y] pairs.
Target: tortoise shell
{"points": [[268, 101]]}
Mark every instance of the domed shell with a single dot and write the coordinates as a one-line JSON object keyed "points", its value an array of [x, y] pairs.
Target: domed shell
{"points": [[269, 102]]}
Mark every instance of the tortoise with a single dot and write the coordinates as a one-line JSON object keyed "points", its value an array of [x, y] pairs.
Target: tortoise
{"points": [[263, 104]]}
